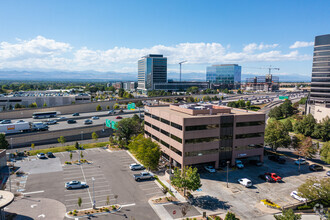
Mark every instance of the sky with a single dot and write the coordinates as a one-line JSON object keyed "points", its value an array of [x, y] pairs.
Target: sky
{"points": [[110, 36]]}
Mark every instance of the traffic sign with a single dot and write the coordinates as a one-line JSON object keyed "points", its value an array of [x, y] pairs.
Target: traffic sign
{"points": [[131, 106], [283, 97], [114, 125], [108, 123]]}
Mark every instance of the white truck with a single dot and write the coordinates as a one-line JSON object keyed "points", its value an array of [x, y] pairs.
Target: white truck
{"points": [[21, 127]]}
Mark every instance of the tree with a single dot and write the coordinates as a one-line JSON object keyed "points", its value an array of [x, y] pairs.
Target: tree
{"points": [[17, 105], [32, 146], [276, 135], [98, 108], [33, 105], [3, 142], [241, 103], [95, 136], [288, 125], [70, 155], [325, 152], [193, 90], [248, 104], [322, 129], [44, 105], [296, 141], [307, 148], [286, 108], [108, 107], [275, 112], [81, 155], [231, 216], [305, 126], [121, 92], [76, 145], [79, 202], [190, 99], [116, 106], [315, 189], [127, 128], [187, 179], [61, 140], [288, 214]]}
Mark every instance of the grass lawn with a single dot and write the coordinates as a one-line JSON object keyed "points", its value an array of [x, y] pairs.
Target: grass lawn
{"points": [[67, 148], [283, 120]]}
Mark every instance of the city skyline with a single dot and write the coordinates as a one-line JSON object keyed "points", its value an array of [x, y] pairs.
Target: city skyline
{"points": [[102, 37]]}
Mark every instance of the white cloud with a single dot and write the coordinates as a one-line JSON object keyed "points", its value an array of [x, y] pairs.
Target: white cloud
{"points": [[43, 53], [299, 44]]}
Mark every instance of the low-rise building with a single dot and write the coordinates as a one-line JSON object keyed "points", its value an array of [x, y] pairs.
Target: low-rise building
{"points": [[268, 83], [205, 134]]}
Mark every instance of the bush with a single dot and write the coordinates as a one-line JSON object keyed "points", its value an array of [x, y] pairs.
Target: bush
{"points": [[165, 187], [113, 207], [106, 210], [68, 162], [270, 204]]}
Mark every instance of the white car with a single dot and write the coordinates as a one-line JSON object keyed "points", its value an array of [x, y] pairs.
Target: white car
{"points": [[41, 156], [210, 169], [245, 182], [294, 194], [300, 161], [75, 185], [95, 118], [136, 166], [239, 164]]}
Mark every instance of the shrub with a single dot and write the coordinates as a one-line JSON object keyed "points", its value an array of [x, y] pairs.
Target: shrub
{"points": [[270, 204], [70, 213], [113, 207], [106, 210], [75, 214]]}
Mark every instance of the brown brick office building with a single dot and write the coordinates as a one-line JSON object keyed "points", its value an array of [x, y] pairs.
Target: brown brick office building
{"points": [[194, 134]]}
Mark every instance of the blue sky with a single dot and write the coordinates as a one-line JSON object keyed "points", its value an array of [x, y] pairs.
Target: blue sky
{"points": [[111, 35]]}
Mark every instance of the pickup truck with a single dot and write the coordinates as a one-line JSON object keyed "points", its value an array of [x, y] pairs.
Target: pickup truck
{"points": [[143, 176]]}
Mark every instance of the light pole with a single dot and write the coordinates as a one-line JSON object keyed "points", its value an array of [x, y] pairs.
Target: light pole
{"points": [[93, 194], [11, 143], [227, 171], [299, 161]]}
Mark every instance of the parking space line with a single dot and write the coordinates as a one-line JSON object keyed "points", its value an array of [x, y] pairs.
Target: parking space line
{"points": [[67, 200], [153, 193], [73, 177], [87, 188], [28, 193], [149, 189]]}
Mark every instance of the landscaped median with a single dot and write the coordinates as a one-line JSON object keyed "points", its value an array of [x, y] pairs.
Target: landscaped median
{"points": [[85, 213], [78, 162], [270, 204]]}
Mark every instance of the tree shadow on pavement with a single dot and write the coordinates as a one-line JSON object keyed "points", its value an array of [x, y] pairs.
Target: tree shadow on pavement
{"points": [[210, 203]]}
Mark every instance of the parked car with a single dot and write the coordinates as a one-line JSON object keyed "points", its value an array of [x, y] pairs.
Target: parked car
{"points": [[50, 155], [75, 185], [274, 176], [119, 117], [75, 114], [277, 158], [71, 121], [315, 167], [95, 117], [136, 166], [245, 182], [51, 122], [88, 121], [328, 173], [300, 161], [209, 169], [143, 176], [294, 194], [239, 164], [7, 121], [267, 178], [41, 156], [256, 162]]}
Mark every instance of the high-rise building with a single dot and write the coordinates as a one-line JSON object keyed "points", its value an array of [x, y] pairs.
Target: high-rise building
{"points": [[152, 69], [319, 99], [224, 76]]}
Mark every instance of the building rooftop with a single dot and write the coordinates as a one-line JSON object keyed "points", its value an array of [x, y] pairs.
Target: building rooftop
{"points": [[225, 65]]}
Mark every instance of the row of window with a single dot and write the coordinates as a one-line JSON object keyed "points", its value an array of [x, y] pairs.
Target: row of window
{"points": [[251, 135], [201, 140], [164, 143], [249, 147], [201, 127], [322, 48], [164, 132], [250, 123], [177, 126], [201, 152]]}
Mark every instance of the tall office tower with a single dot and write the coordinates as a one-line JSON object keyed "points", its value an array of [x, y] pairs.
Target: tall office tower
{"points": [[319, 99], [224, 76], [152, 69]]}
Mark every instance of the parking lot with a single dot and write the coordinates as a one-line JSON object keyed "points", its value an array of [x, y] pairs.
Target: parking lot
{"points": [[242, 200], [113, 178]]}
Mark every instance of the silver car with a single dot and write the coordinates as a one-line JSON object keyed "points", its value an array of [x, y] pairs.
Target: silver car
{"points": [[136, 166], [75, 185]]}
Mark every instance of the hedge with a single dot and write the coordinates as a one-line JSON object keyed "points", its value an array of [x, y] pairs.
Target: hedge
{"points": [[165, 187]]}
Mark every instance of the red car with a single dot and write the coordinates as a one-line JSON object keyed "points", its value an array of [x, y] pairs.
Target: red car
{"points": [[119, 117], [274, 176]]}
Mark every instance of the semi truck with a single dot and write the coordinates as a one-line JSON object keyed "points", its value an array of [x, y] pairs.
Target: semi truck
{"points": [[20, 127]]}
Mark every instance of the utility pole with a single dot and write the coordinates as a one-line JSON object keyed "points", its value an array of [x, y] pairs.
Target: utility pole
{"points": [[181, 67], [227, 172], [94, 203]]}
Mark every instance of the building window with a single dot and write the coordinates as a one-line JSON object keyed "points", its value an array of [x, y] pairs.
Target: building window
{"points": [[165, 132], [201, 127], [155, 127], [176, 126], [154, 137], [147, 133], [147, 123], [249, 147], [176, 151], [164, 143], [201, 140], [251, 135], [201, 153], [250, 123], [165, 121], [155, 117], [226, 125], [176, 138], [147, 114]]}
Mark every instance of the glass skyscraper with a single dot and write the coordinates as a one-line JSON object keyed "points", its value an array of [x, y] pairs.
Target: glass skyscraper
{"points": [[152, 69], [225, 76]]}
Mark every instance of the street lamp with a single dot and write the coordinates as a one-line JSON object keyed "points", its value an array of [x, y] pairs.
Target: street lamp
{"points": [[299, 160], [11, 143], [94, 206], [227, 171]]}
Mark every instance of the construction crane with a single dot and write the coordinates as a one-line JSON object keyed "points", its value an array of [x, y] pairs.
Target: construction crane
{"points": [[180, 67], [270, 68]]}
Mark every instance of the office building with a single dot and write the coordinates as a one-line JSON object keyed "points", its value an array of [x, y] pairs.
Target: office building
{"points": [[206, 134], [117, 85], [152, 69], [224, 76], [173, 86], [129, 86], [319, 98], [268, 83]]}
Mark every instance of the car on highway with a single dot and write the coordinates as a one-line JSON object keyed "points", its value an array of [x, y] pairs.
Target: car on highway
{"points": [[294, 194], [74, 184], [315, 167], [143, 176], [110, 112], [50, 155], [210, 169], [274, 176], [136, 166], [267, 178], [88, 122], [62, 119], [119, 117], [245, 182], [75, 114], [95, 118], [7, 121], [41, 156], [277, 158], [20, 121], [71, 121], [51, 122], [300, 161], [239, 164]]}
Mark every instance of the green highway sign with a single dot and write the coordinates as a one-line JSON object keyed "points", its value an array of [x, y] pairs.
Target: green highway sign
{"points": [[283, 97], [108, 123], [131, 106], [114, 125]]}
